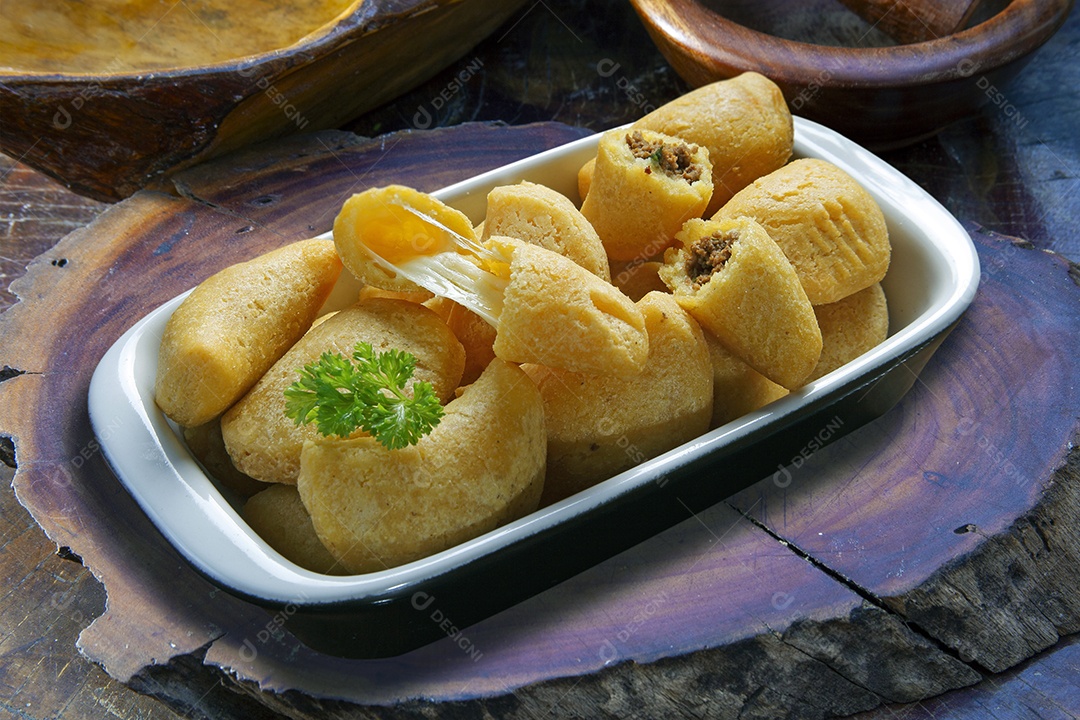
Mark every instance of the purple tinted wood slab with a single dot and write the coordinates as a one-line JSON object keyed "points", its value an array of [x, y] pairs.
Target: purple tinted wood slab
{"points": [[1048, 689], [727, 619], [961, 508], [79, 296], [727, 606]]}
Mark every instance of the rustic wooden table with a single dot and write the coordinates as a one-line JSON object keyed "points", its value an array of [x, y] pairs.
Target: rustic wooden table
{"points": [[1010, 175]]}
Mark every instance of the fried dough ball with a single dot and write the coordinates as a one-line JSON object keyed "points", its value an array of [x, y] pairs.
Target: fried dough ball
{"points": [[736, 282], [830, 228], [378, 221], [850, 327], [472, 331], [541, 216], [637, 278], [644, 187], [208, 447], [545, 307], [235, 324], [558, 314], [737, 388], [743, 122], [279, 517], [265, 444], [600, 425], [481, 467]]}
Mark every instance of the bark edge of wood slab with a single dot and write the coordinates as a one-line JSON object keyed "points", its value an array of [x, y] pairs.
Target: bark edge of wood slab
{"points": [[882, 97]]}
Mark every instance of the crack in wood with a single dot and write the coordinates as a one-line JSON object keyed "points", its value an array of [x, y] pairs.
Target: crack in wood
{"points": [[889, 609], [987, 605], [7, 452]]}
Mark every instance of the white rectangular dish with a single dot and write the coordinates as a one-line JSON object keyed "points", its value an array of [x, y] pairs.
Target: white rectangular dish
{"points": [[932, 279]]}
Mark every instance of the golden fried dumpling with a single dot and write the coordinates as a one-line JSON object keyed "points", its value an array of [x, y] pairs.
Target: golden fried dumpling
{"points": [[644, 187], [545, 307], [743, 122], [737, 387], [600, 425], [850, 327], [279, 517], [205, 443], [831, 229], [375, 229], [482, 466], [637, 278], [735, 281], [541, 216], [556, 313], [474, 333], [265, 443], [235, 324]]}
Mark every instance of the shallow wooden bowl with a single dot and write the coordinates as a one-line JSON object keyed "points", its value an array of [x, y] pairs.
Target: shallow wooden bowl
{"points": [[122, 99], [880, 92]]}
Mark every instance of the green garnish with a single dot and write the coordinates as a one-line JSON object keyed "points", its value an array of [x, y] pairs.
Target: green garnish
{"points": [[340, 397]]}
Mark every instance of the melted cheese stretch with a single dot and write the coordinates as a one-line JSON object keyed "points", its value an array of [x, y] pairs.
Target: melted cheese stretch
{"points": [[442, 260], [544, 307]]}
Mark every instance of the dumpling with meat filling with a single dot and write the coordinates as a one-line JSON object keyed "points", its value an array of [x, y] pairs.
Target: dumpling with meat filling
{"points": [[737, 283], [644, 187]]}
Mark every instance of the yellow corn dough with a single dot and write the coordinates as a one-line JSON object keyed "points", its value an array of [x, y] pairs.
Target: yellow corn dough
{"points": [[264, 443], [279, 517], [541, 216], [644, 187], [600, 425], [829, 227], [737, 387], [208, 447], [556, 313], [736, 282], [636, 278], [482, 466], [375, 224], [472, 331], [236, 324], [850, 327], [743, 122]]}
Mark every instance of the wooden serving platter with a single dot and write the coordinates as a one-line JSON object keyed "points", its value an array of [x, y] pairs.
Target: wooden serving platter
{"points": [[922, 553]]}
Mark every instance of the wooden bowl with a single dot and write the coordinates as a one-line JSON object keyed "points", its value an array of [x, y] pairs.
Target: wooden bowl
{"points": [[110, 119], [882, 97]]}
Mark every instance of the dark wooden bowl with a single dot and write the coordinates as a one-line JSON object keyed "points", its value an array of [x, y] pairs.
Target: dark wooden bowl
{"points": [[107, 134], [884, 96]]}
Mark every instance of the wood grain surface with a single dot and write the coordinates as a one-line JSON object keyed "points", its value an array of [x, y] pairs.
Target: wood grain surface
{"points": [[1004, 174], [729, 594]]}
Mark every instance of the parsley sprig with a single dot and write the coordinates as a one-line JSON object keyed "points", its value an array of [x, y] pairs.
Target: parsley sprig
{"points": [[368, 393]]}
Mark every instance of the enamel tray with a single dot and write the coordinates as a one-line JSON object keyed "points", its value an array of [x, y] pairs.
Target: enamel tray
{"points": [[932, 279]]}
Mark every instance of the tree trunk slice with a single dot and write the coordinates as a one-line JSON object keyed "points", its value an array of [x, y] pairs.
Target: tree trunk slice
{"points": [[984, 430], [722, 614]]}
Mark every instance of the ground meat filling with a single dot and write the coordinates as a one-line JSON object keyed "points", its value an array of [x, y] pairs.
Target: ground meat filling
{"points": [[674, 159], [707, 255]]}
